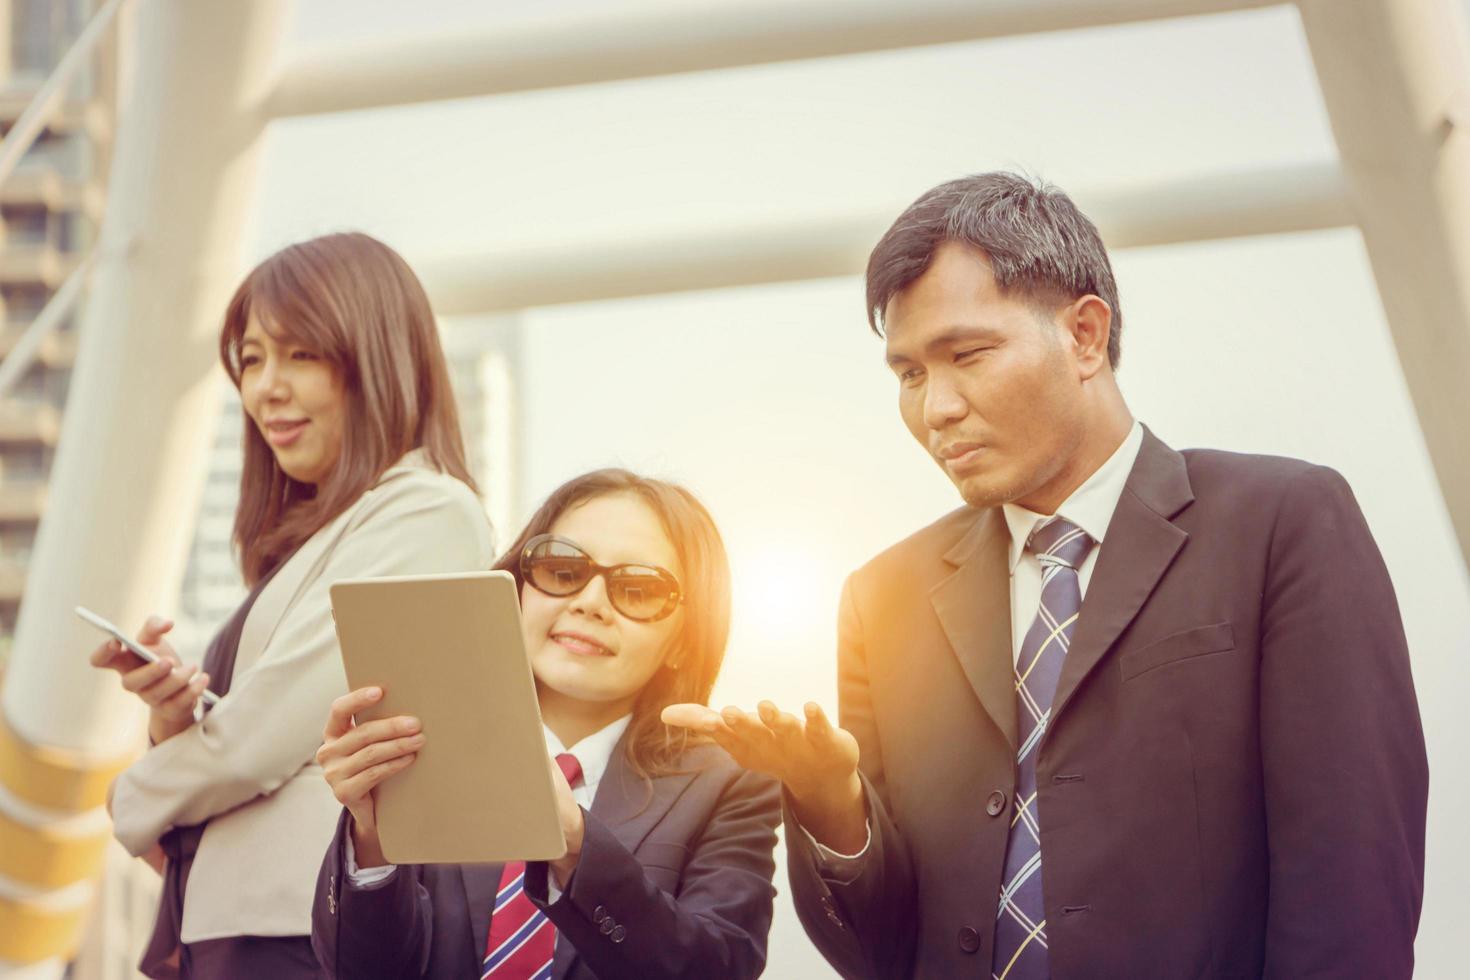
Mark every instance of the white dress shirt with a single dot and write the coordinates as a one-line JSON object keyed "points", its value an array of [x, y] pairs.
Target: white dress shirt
{"points": [[593, 754], [1090, 507]]}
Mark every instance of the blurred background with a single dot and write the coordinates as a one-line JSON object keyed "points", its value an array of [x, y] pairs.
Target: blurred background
{"points": [[643, 226]]}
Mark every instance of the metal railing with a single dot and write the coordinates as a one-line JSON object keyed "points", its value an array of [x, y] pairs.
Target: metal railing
{"points": [[21, 137]]}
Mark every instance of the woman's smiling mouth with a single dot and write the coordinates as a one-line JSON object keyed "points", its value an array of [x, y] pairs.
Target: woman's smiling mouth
{"points": [[580, 643]]}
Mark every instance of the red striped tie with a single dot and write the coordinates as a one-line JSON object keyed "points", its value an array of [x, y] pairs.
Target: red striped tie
{"points": [[522, 939]]}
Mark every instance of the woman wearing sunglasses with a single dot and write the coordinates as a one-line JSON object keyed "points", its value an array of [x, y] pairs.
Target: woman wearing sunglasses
{"points": [[625, 601]]}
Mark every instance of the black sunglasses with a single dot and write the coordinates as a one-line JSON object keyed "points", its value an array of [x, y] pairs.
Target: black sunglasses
{"points": [[559, 567]]}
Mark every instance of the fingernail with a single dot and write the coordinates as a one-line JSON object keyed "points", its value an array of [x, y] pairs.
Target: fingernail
{"points": [[374, 693], [411, 724]]}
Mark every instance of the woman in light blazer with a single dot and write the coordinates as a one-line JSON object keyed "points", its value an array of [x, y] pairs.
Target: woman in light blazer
{"points": [[354, 467]]}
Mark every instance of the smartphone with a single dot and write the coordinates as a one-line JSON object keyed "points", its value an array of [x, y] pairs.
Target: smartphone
{"points": [[208, 696]]}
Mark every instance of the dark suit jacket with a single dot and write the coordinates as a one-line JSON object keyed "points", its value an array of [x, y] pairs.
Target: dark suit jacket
{"points": [[683, 876], [1233, 780]]}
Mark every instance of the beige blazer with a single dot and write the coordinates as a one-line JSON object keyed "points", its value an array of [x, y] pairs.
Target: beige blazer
{"points": [[249, 766]]}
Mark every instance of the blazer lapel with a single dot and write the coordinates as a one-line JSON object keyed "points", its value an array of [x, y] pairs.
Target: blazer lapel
{"points": [[974, 607], [271, 605], [623, 802], [481, 882], [631, 807], [1140, 545]]}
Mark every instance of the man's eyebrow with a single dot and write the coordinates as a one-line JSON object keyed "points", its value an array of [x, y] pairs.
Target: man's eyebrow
{"points": [[962, 332], [959, 333]]}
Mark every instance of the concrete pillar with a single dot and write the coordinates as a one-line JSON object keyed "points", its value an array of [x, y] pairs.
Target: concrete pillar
{"points": [[127, 475], [1394, 77]]}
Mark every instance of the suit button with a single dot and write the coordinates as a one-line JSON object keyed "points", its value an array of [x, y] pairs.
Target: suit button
{"points": [[996, 805], [598, 914], [618, 934], [969, 940], [608, 925]]}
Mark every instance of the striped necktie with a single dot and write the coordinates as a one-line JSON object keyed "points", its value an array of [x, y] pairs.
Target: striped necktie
{"points": [[1020, 925], [522, 940]]}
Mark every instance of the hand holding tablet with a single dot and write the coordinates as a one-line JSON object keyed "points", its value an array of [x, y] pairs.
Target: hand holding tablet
{"points": [[356, 758]]}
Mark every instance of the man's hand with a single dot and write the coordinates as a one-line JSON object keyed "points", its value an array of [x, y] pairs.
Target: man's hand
{"points": [[356, 758], [816, 760]]}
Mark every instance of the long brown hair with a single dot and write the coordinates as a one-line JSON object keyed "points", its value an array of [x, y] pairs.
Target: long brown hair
{"points": [[654, 748], [355, 303]]}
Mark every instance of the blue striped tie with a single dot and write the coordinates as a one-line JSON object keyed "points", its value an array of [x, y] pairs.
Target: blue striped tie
{"points": [[1020, 924]]}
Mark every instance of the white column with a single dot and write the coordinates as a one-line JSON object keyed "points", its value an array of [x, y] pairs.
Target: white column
{"points": [[129, 469], [1394, 76]]}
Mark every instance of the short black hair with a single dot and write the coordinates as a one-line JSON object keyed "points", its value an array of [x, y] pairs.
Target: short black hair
{"points": [[1038, 243]]}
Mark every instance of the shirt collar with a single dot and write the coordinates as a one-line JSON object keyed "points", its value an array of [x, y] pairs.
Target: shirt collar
{"points": [[593, 752], [1090, 506]]}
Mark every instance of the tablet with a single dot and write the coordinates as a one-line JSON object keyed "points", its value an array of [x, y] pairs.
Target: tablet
{"points": [[448, 650]]}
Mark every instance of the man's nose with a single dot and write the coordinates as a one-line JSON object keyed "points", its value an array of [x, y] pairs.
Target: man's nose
{"points": [[943, 404]]}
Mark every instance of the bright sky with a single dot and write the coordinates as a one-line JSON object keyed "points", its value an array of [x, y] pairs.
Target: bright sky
{"points": [[773, 402]]}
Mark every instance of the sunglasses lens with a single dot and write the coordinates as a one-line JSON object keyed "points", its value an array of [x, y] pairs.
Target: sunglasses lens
{"points": [[638, 592], [557, 568]]}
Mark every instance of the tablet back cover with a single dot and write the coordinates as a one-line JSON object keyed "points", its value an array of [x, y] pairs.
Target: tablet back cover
{"points": [[448, 650]]}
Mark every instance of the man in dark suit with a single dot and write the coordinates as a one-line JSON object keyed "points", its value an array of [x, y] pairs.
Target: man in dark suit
{"points": [[1129, 712]]}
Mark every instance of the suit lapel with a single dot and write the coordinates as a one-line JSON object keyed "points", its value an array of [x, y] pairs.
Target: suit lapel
{"points": [[277, 597], [974, 607], [271, 605], [1140, 544], [481, 882], [624, 804]]}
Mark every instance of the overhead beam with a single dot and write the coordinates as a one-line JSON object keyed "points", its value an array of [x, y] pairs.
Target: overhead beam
{"points": [[671, 37], [1230, 206], [1395, 77]]}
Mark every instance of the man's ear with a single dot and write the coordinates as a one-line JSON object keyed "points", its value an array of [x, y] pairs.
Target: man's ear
{"points": [[1089, 321]]}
